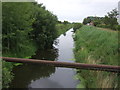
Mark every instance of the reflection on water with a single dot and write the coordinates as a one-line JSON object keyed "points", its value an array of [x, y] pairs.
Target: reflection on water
{"points": [[50, 54], [65, 47], [45, 76], [62, 78], [28, 73]]}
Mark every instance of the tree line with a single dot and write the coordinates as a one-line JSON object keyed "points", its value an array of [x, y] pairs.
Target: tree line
{"points": [[27, 26], [108, 21]]}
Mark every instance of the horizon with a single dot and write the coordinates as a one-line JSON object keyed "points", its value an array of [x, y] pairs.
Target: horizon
{"points": [[63, 10]]}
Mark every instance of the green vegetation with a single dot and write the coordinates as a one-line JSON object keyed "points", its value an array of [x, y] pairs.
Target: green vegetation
{"points": [[7, 75], [89, 19], [96, 46], [27, 27], [44, 27], [109, 21], [62, 28], [77, 26], [17, 24]]}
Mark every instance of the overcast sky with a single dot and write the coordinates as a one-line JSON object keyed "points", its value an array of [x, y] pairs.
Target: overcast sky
{"points": [[77, 10]]}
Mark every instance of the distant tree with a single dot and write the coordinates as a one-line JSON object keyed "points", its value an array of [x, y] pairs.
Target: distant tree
{"points": [[92, 19], [59, 22], [97, 22], [86, 21], [111, 19], [65, 22]]}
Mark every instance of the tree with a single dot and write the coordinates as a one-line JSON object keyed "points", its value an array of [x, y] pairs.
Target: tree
{"points": [[97, 22], [111, 19], [91, 18], [17, 22], [17, 19], [86, 20], [44, 30], [25, 25], [65, 22]]}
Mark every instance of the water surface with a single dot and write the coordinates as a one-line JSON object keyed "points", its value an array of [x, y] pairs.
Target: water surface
{"points": [[45, 76]]}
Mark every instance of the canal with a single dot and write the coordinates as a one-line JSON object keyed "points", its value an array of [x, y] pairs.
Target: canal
{"points": [[45, 76]]}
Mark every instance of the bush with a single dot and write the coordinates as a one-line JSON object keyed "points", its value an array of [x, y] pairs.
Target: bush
{"points": [[117, 27], [97, 22], [7, 74]]}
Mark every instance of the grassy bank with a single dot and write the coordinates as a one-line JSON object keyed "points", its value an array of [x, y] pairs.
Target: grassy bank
{"points": [[62, 28], [96, 46]]}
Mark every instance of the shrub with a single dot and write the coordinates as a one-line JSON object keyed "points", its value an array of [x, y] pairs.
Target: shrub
{"points": [[117, 27], [97, 22]]}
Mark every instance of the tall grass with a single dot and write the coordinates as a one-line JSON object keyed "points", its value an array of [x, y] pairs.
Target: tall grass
{"points": [[95, 46]]}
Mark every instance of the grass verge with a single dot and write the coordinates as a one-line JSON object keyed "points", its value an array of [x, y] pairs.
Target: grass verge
{"points": [[96, 46]]}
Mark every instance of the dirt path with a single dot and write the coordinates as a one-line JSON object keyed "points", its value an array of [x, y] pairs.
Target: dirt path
{"points": [[106, 29]]}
